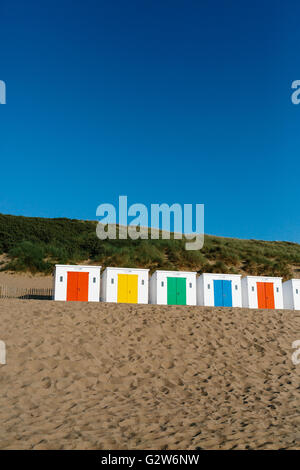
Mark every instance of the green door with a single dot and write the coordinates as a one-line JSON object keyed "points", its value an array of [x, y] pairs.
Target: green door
{"points": [[181, 291], [172, 289], [176, 290]]}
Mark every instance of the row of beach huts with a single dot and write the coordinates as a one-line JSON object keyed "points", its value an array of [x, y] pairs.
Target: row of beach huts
{"points": [[131, 285]]}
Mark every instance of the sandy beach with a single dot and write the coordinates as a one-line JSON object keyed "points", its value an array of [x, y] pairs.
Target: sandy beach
{"points": [[107, 376]]}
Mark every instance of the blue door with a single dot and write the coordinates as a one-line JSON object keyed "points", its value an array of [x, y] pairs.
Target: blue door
{"points": [[218, 293], [227, 294], [223, 293]]}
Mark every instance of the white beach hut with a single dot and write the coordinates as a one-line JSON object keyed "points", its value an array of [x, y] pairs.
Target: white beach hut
{"points": [[173, 288], [219, 290], [291, 294], [125, 285], [81, 283], [262, 292]]}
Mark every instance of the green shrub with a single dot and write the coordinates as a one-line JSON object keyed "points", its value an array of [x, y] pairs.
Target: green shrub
{"points": [[28, 256]]}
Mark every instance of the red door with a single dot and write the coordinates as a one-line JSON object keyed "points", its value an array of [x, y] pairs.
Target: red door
{"points": [[261, 295], [265, 295], [77, 286], [269, 288], [72, 281], [83, 287]]}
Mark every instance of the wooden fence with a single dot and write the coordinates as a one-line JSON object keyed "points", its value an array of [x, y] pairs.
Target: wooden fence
{"points": [[7, 292]]}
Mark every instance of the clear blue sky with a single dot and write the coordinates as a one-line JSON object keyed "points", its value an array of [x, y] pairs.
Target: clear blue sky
{"points": [[162, 101]]}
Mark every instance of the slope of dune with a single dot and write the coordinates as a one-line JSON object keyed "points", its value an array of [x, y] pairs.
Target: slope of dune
{"points": [[113, 376], [35, 244]]}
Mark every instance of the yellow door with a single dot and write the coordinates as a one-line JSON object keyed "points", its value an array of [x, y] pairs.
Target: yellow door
{"points": [[122, 287], [128, 288], [132, 288]]}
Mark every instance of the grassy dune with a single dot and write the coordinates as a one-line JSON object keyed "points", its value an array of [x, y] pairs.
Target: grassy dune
{"points": [[36, 244]]}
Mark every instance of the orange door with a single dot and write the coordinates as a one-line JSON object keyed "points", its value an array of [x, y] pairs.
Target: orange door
{"points": [[77, 286], [265, 295], [72, 283], [269, 288], [261, 295], [83, 287]]}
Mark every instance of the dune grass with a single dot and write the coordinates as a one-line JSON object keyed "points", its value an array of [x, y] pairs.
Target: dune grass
{"points": [[36, 244]]}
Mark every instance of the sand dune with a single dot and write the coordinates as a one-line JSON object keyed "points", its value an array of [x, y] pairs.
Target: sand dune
{"points": [[26, 280], [106, 376]]}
